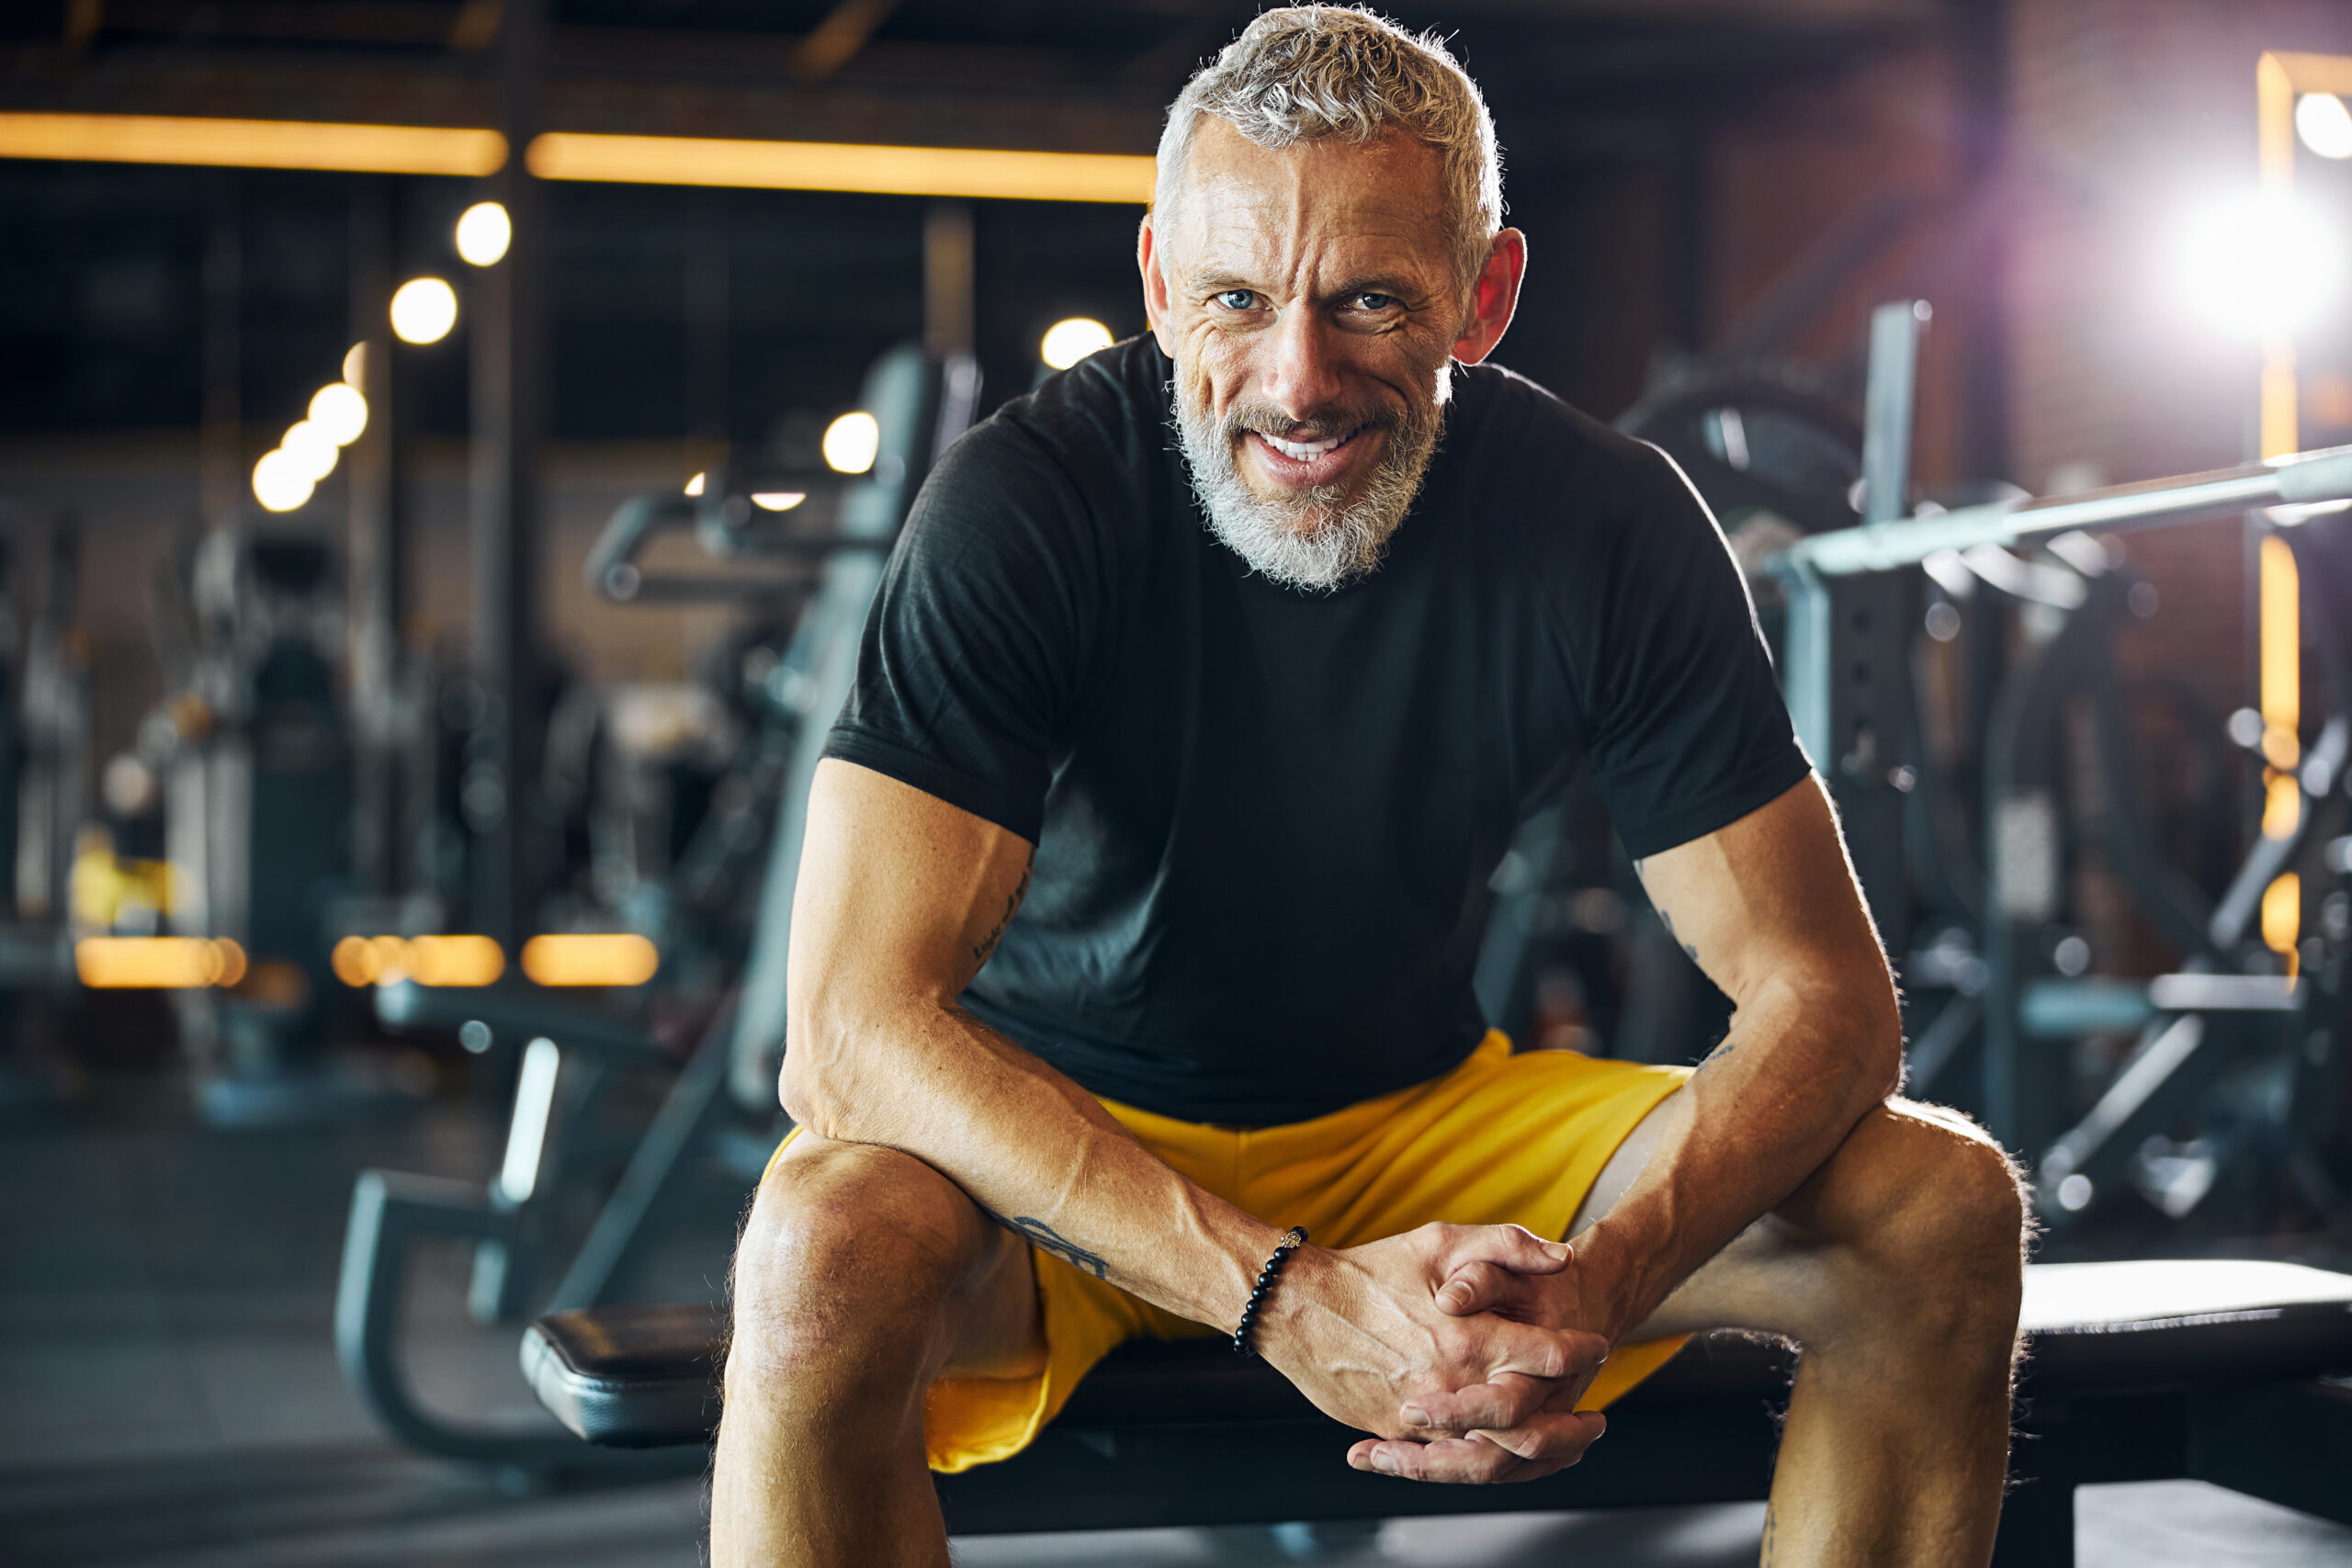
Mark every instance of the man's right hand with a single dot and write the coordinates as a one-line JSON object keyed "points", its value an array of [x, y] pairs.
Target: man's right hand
{"points": [[1364, 1333]]}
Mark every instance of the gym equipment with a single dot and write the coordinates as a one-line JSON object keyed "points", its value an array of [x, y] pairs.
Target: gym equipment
{"points": [[254, 753], [2280, 1038], [723, 1103], [1961, 845], [2136, 1371]]}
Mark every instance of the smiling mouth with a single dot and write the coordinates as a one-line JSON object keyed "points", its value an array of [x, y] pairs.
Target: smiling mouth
{"points": [[1307, 451]]}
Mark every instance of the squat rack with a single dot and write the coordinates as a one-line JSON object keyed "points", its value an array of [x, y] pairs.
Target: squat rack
{"points": [[1848, 693]]}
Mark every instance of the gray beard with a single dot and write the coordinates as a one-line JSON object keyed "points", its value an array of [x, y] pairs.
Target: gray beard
{"points": [[1314, 541]]}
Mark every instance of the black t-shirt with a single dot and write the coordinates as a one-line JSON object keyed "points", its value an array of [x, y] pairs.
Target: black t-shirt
{"points": [[1265, 819]]}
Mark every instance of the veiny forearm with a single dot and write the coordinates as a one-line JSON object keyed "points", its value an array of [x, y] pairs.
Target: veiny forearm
{"points": [[1799, 1068], [1029, 1145]]}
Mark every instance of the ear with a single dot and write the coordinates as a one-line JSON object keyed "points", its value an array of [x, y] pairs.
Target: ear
{"points": [[1494, 298], [1155, 284]]}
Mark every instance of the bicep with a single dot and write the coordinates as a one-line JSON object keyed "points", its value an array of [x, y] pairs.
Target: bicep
{"points": [[1771, 896], [901, 897]]}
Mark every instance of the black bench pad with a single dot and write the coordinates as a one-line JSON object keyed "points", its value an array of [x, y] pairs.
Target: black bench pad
{"points": [[647, 1376]]}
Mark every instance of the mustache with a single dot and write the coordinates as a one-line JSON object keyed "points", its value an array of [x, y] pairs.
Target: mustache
{"points": [[1258, 419]]}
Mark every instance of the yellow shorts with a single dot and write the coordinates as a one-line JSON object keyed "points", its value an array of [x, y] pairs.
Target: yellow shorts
{"points": [[1501, 1139]]}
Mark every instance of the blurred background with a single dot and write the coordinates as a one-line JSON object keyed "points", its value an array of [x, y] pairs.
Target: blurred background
{"points": [[446, 450]]}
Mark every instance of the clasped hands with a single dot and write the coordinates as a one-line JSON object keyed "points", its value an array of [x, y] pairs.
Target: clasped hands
{"points": [[1463, 1347]]}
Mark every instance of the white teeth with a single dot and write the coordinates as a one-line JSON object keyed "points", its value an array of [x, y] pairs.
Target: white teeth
{"points": [[1304, 451]]}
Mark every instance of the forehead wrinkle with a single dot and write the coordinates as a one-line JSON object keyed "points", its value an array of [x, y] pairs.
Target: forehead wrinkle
{"points": [[1300, 216]]}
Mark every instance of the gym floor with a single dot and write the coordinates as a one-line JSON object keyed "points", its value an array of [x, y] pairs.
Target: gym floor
{"points": [[169, 1396]]}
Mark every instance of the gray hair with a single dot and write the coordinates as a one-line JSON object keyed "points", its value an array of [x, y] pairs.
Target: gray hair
{"points": [[1313, 73]]}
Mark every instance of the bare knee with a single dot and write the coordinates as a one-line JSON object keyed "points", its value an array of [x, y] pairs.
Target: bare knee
{"points": [[846, 1263], [1928, 1217]]}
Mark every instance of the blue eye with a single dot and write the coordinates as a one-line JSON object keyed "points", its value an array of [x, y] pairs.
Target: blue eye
{"points": [[1371, 301], [1238, 298]]}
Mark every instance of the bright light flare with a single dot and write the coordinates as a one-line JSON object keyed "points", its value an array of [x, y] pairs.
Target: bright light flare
{"points": [[2260, 267], [281, 483], [1067, 343], [354, 365], [693, 485], [620, 958], [424, 310], [778, 499], [483, 233], [310, 449], [340, 412], [852, 442], [2324, 124]]}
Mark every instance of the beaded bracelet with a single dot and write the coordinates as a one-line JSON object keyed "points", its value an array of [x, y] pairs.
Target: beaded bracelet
{"points": [[1295, 1236]]}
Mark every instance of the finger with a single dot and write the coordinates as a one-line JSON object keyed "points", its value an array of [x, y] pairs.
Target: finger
{"points": [[1553, 1444], [1449, 1460], [1536, 1351], [1506, 1400], [1488, 1287], [1557, 1436], [1514, 1247]]}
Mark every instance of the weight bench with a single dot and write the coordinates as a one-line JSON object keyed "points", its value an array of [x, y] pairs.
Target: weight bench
{"points": [[2217, 1371]]}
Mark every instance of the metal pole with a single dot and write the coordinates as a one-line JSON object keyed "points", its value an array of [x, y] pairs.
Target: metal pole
{"points": [[948, 274], [221, 467], [510, 418], [1886, 408], [372, 550], [2301, 479]]}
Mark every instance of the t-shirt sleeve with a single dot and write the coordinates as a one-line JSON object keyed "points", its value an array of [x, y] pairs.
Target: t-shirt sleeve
{"points": [[969, 662], [1685, 724]]}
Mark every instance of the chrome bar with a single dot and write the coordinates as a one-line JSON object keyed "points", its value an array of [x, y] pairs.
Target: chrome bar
{"points": [[2300, 480]]}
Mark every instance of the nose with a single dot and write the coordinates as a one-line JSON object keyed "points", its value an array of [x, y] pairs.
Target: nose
{"points": [[1301, 371]]}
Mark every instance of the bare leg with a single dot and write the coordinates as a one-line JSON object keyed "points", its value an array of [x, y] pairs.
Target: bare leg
{"points": [[1897, 1269], [863, 1274]]}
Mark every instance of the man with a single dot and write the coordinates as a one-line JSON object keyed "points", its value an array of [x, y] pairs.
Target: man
{"points": [[1144, 879]]}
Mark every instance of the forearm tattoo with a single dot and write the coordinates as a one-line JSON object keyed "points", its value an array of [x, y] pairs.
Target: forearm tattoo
{"points": [[1012, 905], [1690, 950], [1047, 1239]]}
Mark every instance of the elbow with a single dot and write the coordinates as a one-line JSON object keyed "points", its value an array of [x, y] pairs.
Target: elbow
{"points": [[1878, 1049], [811, 1085]]}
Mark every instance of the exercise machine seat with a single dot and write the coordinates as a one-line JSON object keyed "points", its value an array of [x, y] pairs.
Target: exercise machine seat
{"points": [[647, 1376]]}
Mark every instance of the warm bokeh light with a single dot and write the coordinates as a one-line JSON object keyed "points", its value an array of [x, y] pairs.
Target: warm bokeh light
{"points": [[2282, 913], [280, 482], [423, 310], [620, 958], [340, 412], [310, 449], [157, 963], [252, 143], [987, 171], [2324, 124], [354, 365], [353, 961], [483, 233], [1067, 343], [427, 960], [693, 485], [778, 499], [852, 442], [452, 960], [2260, 267]]}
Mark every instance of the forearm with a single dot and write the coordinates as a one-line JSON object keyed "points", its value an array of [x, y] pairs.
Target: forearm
{"points": [[1798, 1070], [1029, 1145]]}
